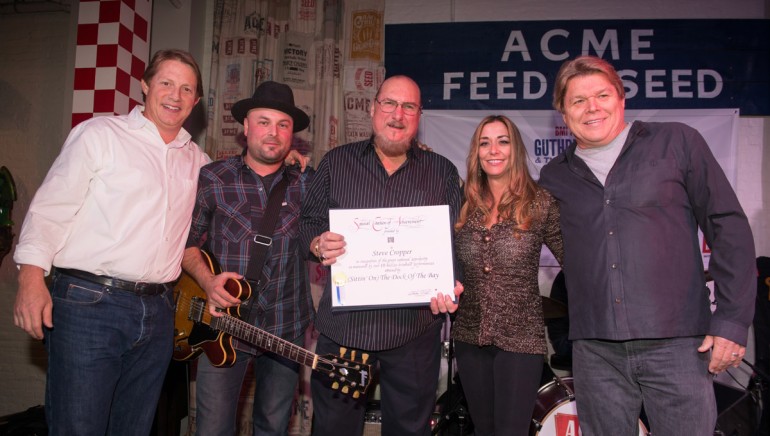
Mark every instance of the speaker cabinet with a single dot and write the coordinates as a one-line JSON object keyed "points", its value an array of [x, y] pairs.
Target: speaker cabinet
{"points": [[372, 429], [373, 420]]}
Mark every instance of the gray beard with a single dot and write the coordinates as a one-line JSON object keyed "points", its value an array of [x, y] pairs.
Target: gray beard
{"points": [[391, 148]]}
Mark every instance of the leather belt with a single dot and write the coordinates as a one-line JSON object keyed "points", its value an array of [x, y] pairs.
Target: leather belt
{"points": [[139, 288]]}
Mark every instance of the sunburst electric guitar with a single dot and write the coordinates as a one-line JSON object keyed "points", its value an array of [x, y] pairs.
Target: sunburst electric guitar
{"points": [[196, 331]]}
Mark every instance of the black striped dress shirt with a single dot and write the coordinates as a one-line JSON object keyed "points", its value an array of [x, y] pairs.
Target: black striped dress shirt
{"points": [[352, 177]]}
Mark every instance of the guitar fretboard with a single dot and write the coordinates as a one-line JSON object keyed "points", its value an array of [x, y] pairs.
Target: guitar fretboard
{"points": [[247, 332]]}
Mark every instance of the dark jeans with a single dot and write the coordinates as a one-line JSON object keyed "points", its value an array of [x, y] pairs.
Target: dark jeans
{"points": [[408, 382], [217, 391], [668, 376], [107, 356]]}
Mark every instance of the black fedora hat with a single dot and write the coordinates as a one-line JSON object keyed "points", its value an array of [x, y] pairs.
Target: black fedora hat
{"points": [[272, 95]]}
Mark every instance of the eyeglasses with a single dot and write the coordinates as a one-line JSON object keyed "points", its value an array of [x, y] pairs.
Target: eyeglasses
{"points": [[389, 106]]}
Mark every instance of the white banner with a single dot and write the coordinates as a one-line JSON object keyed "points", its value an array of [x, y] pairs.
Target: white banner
{"points": [[545, 135]]}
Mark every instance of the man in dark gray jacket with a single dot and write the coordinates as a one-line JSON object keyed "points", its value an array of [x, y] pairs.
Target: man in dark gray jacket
{"points": [[632, 198]]}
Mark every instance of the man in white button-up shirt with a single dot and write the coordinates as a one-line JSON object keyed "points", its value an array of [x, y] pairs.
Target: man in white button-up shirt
{"points": [[111, 220]]}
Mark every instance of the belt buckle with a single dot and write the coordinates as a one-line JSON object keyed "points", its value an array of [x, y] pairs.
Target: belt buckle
{"points": [[263, 240], [147, 288]]}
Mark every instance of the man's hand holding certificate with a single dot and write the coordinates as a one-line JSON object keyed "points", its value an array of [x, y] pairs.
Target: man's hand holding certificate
{"points": [[390, 257]]}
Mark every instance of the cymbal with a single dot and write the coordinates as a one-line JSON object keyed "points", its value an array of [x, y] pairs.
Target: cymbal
{"points": [[552, 308]]}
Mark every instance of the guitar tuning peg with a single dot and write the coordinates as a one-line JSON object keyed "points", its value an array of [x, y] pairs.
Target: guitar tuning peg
{"points": [[353, 355], [345, 389], [335, 386], [343, 350], [356, 394], [364, 357]]}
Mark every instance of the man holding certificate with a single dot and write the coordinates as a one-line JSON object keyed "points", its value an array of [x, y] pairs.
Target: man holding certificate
{"points": [[386, 172]]}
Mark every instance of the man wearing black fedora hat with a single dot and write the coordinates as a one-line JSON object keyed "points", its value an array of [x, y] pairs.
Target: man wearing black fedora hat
{"points": [[231, 204]]}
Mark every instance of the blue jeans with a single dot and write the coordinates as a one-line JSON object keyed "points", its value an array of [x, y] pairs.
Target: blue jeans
{"points": [[108, 353], [217, 391], [668, 376]]}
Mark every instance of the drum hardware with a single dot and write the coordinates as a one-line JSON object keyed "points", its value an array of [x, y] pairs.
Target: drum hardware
{"points": [[567, 387], [451, 417]]}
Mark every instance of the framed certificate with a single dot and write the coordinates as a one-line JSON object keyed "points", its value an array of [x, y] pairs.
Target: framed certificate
{"points": [[394, 257]]}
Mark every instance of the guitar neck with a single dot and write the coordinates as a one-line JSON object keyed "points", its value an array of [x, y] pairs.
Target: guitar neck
{"points": [[253, 335], [350, 376]]}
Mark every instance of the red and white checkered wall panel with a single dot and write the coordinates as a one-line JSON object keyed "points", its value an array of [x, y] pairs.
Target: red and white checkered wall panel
{"points": [[112, 53]]}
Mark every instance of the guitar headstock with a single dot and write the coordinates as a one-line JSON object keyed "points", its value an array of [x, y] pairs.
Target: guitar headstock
{"points": [[351, 375]]}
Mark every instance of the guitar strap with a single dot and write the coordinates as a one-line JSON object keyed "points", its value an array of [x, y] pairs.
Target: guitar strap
{"points": [[263, 239]]}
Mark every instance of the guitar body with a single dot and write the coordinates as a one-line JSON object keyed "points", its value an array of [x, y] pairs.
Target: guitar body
{"points": [[192, 338], [197, 331]]}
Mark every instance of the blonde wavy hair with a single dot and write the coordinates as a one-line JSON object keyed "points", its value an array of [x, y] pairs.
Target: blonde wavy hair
{"points": [[516, 203]]}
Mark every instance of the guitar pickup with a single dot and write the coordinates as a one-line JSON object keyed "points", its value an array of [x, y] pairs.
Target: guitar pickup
{"points": [[197, 308]]}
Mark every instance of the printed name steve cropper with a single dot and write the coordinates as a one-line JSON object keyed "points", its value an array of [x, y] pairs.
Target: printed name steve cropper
{"points": [[391, 252]]}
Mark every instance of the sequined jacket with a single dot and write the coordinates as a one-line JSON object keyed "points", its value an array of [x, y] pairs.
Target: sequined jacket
{"points": [[501, 304]]}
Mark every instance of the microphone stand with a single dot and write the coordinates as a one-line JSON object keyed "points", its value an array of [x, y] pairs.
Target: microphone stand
{"points": [[449, 410]]}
